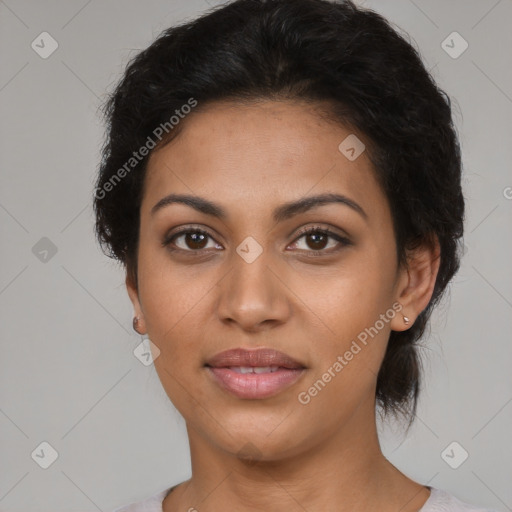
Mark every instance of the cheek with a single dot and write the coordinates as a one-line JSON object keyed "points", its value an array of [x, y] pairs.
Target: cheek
{"points": [[344, 320], [345, 299], [168, 291], [172, 303], [348, 356], [173, 300]]}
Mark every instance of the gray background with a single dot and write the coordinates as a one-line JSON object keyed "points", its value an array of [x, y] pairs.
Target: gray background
{"points": [[68, 375]]}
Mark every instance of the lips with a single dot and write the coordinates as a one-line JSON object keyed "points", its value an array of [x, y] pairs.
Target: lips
{"points": [[254, 374], [262, 357]]}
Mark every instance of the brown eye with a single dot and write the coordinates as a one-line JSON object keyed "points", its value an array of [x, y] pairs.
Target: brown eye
{"points": [[191, 240], [195, 240], [316, 241]]}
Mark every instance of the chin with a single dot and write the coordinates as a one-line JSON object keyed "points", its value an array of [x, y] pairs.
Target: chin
{"points": [[259, 440]]}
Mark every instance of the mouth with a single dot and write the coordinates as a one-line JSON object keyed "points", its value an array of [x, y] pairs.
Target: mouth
{"points": [[255, 369], [254, 374]]}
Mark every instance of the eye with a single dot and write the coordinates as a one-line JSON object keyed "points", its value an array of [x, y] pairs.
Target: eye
{"points": [[192, 240], [317, 240]]}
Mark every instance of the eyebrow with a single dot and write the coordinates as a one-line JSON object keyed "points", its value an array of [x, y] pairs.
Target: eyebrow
{"points": [[281, 213]]}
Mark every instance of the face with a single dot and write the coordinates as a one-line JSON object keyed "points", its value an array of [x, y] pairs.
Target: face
{"points": [[250, 279]]}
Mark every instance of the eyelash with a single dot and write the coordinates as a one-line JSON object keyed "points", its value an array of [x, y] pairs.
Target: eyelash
{"points": [[312, 229]]}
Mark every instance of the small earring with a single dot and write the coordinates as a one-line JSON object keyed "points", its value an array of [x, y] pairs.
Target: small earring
{"points": [[135, 323], [406, 320]]}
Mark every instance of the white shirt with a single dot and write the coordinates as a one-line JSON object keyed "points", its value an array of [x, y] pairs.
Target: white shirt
{"points": [[438, 501]]}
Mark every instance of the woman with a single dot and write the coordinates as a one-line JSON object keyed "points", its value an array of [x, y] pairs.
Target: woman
{"points": [[282, 182]]}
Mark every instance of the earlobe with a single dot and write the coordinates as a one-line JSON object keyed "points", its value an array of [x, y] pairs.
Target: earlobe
{"points": [[136, 324], [138, 319], [416, 284], [401, 322]]}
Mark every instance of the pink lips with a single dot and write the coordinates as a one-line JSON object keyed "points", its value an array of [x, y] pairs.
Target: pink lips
{"points": [[254, 374]]}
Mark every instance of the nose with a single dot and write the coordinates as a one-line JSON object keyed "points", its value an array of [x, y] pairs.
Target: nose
{"points": [[254, 295]]}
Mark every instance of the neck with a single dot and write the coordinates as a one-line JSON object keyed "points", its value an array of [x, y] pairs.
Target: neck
{"points": [[345, 471]]}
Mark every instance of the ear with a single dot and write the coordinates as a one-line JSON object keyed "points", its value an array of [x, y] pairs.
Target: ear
{"points": [[134, 297], [416, 282]]}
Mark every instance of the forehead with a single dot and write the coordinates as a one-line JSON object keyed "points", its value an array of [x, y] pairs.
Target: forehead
{"points": [[260, 153]]}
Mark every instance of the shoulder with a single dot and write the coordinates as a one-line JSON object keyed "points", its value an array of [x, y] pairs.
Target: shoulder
{"points": [[443, 501], [151, 504]]}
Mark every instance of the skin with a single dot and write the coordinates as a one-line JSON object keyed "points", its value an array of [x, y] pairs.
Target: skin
{"points": [[249, 159]]}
